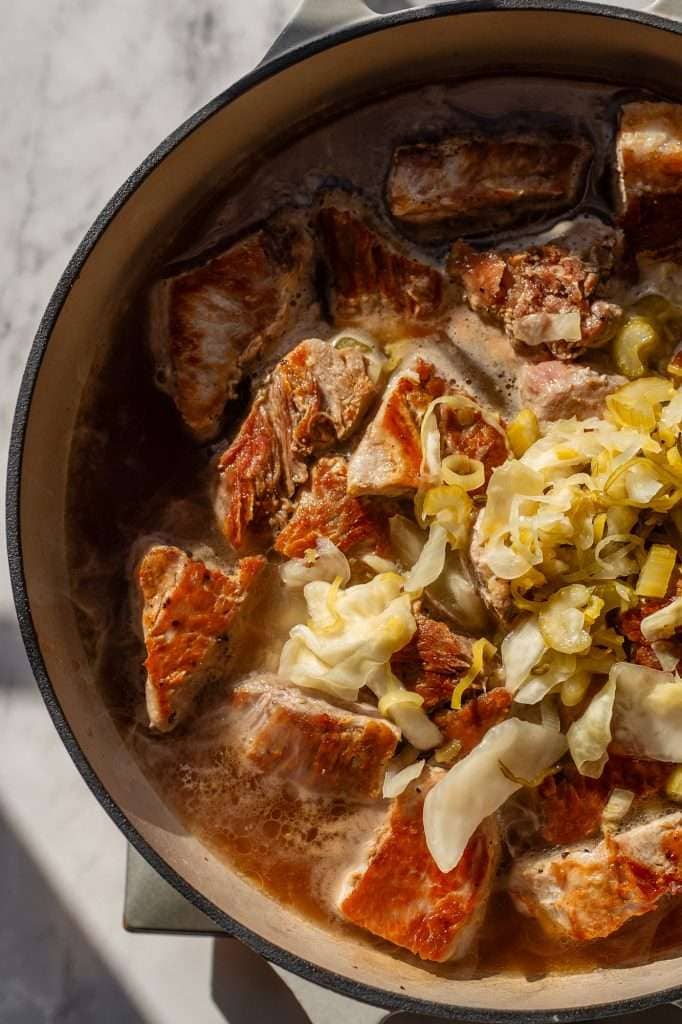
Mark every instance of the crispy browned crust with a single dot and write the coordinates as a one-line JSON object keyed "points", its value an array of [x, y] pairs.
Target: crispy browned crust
{"points": [[321, 746], [188, 610], [392, 441], [571, 804], [433, 661], [649, 185], [543, 279], [316, 396], [211, 322], [374, 284], [402, 896], [586, 893], [470, 723], [325, 509], [463, 178]]}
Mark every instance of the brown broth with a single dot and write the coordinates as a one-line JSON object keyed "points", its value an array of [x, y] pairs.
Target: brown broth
{"points": [[134, 472]]}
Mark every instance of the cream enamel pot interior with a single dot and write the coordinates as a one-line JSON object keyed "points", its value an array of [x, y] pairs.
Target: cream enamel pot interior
{"points": [[335, 51]]}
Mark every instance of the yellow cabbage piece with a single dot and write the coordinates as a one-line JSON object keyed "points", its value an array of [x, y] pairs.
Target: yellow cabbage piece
{"points": [[348, 644], [589, 736], [552, 670], [567, 507], [565, 621], [375, 621]]}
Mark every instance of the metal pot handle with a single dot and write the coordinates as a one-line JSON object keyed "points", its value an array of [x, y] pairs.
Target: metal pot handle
{"points": [[315, 18]]}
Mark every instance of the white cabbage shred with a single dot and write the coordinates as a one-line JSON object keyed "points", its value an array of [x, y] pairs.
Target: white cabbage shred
{"points": [[664, 622], [397, 781], [323, 562], [617, 807], [539, 328], [521, 650], [477, 786], [589, 736], [348, 644], [561, 524], [455, 592], [647, 713], [431, 561]]}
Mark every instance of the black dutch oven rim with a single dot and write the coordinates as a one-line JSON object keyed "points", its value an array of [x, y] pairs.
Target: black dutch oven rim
{"points": [[346, 986]]}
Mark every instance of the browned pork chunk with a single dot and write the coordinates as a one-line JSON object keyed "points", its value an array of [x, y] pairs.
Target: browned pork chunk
{"points": [[188, 614], [388, 458], [545, 297], [305, 738], [570, 805], [433, 661], [325, 509], [374, 283], [555, 390], [461, 178], [589, 890], [211, 322], [469, 724], [315, 396], [649, 182], [399, 894]]}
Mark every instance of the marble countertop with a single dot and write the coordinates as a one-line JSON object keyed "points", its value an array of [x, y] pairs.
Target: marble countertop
{"points": [[88, 88]]}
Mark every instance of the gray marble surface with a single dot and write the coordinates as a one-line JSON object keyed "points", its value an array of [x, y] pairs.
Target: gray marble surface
{"points": [[87, 89]]}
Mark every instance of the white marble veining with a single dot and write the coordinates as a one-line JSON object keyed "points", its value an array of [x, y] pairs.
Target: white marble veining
{"points": [[88, 88]]}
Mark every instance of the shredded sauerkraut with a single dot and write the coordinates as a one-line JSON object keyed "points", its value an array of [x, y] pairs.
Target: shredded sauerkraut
{"points": [[572, 524]]}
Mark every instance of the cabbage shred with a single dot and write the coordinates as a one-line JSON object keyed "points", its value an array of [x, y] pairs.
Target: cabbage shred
{"points": [[579, 524]]}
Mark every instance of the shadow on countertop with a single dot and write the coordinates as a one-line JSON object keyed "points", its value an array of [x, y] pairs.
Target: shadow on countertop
{"points": [[49, 971]]}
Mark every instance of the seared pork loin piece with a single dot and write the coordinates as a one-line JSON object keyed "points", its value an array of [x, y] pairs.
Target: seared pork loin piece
{"points": [[495, 592], [570, 805], [210, 323], [388, 458], [556, 390], [433, 661], [189, 612], [325, 509], [649, 176], [374, 283], [473, 720], [490, 180], [399, 894], [590, 890], [545, 297], [328, 748], [315, 396]]}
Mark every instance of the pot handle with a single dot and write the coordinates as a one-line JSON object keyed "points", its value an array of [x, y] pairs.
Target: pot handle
{"points": [[316, 18]]}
